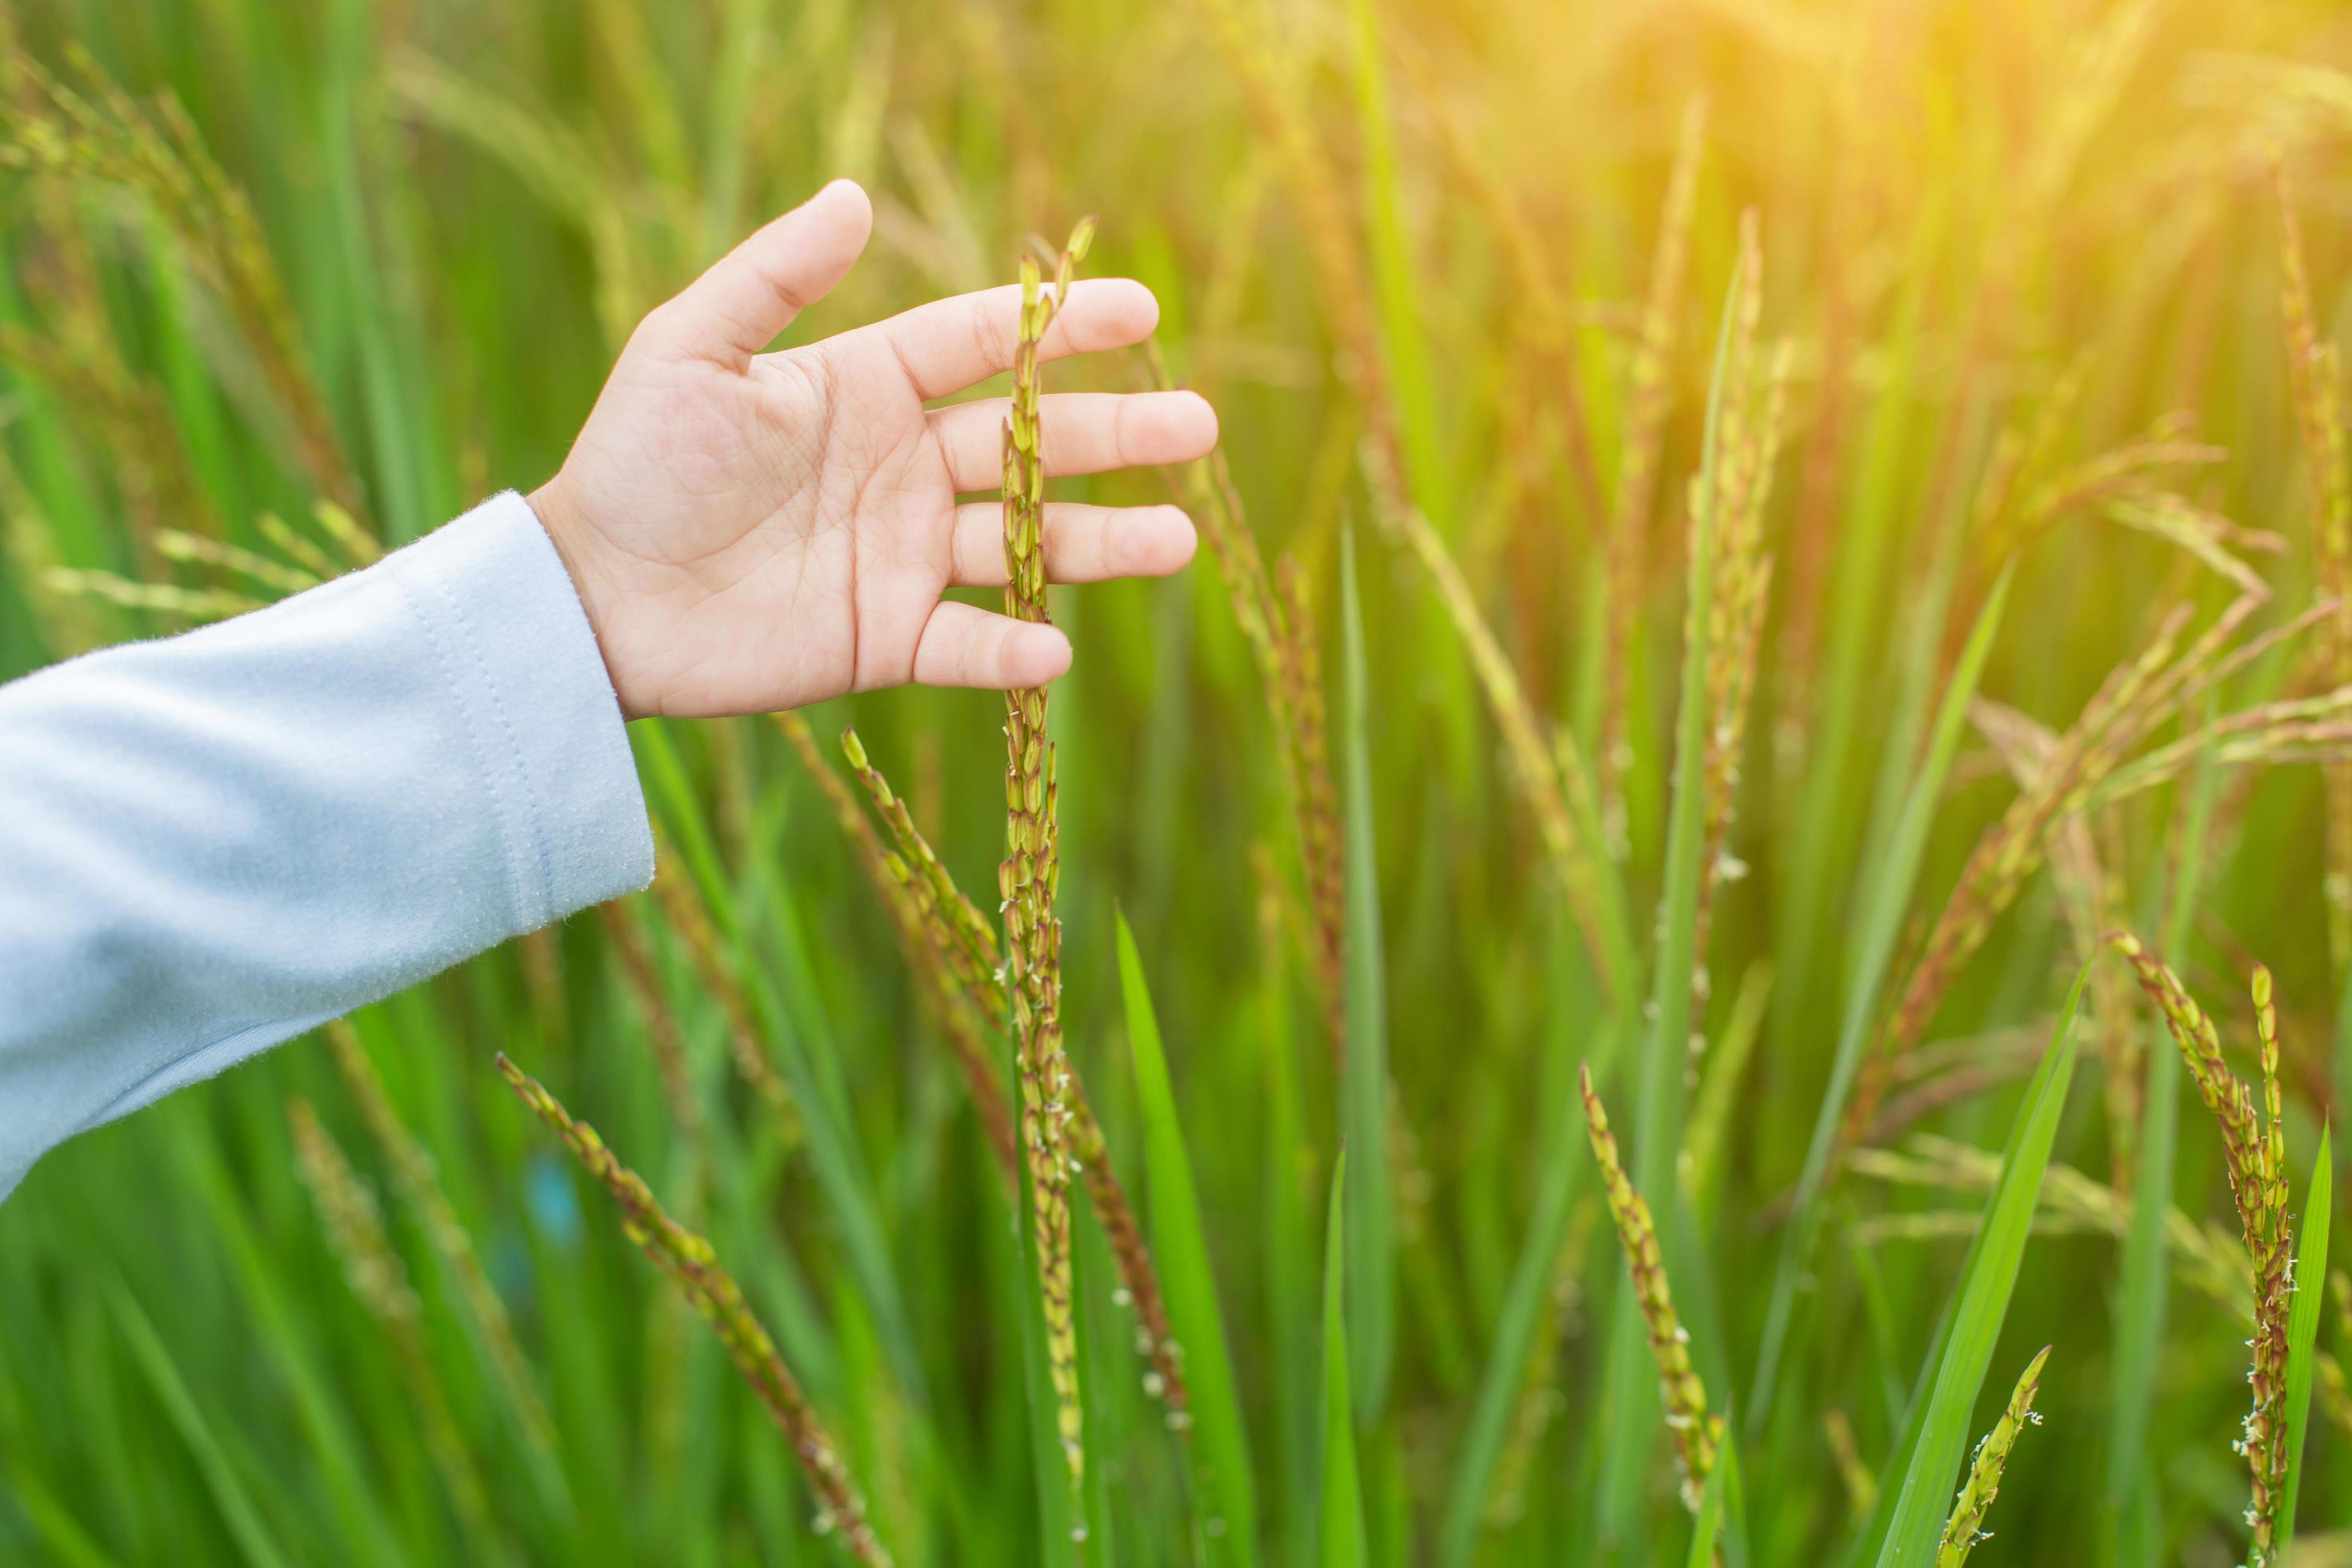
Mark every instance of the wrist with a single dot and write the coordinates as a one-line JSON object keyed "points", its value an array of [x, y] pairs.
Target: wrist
{"points": [[559, 517]]}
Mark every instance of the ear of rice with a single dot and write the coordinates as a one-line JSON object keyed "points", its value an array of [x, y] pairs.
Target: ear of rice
{"points": [[1696, 1431], [690, 1264], [1964, 1527], [2253, 1148]]}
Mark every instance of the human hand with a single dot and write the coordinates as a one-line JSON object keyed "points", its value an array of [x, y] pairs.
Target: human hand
{"points": [[751, 532]]}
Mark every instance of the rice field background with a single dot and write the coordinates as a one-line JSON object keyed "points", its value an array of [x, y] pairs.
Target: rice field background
{"points": [[1767, 698]]}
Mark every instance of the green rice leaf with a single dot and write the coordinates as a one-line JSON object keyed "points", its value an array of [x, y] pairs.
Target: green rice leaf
{"points": [[1979, 1306], [1659, 1107], [2303, 1332], [1225, 1499], [1364, 1076], [1341, 1538], [1879, 928], [1708, 1527], [2146, 1277], [237, 1505]]}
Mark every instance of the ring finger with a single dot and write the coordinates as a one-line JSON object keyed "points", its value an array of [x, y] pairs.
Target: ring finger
{"points": [[1083, 543], [1084, 433]]}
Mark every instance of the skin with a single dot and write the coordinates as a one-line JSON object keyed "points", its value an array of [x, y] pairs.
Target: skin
{"points": [[751, 532]]}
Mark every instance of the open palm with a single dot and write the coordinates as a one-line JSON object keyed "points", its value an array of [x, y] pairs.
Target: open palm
{"points": [[750, 531]]}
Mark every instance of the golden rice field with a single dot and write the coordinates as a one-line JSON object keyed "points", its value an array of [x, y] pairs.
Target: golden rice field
{"points": [[1717, 922]]}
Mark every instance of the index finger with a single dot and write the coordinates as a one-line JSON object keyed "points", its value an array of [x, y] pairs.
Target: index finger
{"points": [[948, 344]]}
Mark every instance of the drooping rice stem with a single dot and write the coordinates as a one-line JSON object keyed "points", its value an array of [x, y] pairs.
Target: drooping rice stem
{"points": [[355, 1226], [418, 1187], [958, 952], [2090, 766], [2314, 372], [1278, 623], [1964, 1527], [690, 1264], [2254, 1146], [91, 133], [931, 951], [662, 1033], [1697, 1431], [682, 906], [1649, 395], [1755, 397]]}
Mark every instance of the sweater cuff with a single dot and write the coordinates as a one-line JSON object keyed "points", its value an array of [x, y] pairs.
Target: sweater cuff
{"points": [[546, 731]]}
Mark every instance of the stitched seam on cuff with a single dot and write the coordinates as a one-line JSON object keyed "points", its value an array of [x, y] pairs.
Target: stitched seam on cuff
{"points": [[482, 763], [538, 829]]}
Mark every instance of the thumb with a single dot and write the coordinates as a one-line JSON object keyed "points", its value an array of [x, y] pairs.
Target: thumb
{"points": [[753, 292]]}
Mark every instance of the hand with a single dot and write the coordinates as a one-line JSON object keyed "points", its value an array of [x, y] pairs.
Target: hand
{"points": [[750, 531]]}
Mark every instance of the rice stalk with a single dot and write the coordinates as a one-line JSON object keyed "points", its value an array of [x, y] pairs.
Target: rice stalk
{"points": [[1275, 98], [682, 909], [305, 553], [928, 946], [2093, 908], [80, 364], [89, 131], [1860, 1486], [668, 1041], [1965, 1529], [355, 1227], [417, 1185], [2200, 532], [2138, 698], [1030, 877], [1558, 786], [176, 544], [2315, 373], [1697, 1430], [193, 604], [1754, 403], [1553, 315], [2253, 1147], [1541, 1401], [1278, 623], [960, 958], [2209, 1260], [1649, 394], [689, 1262], [1305, 717]]}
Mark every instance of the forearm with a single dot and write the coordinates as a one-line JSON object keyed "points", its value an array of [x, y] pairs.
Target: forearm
{"points": [[213, 842]]}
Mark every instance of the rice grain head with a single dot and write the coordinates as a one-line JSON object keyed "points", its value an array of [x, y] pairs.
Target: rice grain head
{"points": [[690, 1264]]}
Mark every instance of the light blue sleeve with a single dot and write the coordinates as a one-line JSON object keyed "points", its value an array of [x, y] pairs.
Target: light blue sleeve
{"points": [[215, 841]]}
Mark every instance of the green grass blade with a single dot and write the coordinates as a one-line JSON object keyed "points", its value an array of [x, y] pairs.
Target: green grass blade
{"points": [[1341, 1539], [1399, 298], [1567, 1164], [1708, 1527], [832, 1150], [2303, 1332], [2145, 1274], [62, 1535], [1981, 1303], [1880, 928], [1364, 1077], [1659, 1108], [237, 1505], [1221, 1448], [1287, 1250]]}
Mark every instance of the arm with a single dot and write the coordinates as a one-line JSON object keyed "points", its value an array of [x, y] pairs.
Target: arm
{"points": [[217, 841], [212, 842]]}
